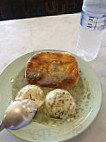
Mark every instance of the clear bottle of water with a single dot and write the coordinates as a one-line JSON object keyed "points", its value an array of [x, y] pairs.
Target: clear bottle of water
{"points": [[92, 27]]}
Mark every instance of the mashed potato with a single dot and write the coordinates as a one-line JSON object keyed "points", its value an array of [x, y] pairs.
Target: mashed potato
{"points": [[32, 92], [59, 104]]}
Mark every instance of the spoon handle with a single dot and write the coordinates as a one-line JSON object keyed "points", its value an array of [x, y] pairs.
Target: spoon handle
{"points": [[2, 126]]}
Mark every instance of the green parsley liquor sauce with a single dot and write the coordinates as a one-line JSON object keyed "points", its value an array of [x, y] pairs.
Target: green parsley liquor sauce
{"points": [[80, 92]]}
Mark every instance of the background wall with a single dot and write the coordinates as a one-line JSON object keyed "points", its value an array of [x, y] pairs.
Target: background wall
{"points": [[15, 9]]}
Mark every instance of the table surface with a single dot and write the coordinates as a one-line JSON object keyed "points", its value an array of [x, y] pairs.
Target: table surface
{"points": [[18, 37]]}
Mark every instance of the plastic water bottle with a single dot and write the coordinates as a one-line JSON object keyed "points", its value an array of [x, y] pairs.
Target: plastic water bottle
{"points": [[92, 27]]}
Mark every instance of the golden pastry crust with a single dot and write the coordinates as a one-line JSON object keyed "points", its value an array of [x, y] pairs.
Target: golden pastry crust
{"points": [[52, 69]]}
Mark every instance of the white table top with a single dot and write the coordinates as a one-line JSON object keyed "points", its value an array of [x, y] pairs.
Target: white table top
{"points": [[18, 37]]}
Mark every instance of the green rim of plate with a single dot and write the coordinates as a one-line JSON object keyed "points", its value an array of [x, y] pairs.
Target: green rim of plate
{"points": [[10, 71]]}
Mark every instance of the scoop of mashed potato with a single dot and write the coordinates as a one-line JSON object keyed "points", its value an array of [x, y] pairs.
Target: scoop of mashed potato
{"points": [[32, 92], [59, 104]]}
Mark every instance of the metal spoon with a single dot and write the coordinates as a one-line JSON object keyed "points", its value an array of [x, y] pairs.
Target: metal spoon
{"points": [[18, 114]]}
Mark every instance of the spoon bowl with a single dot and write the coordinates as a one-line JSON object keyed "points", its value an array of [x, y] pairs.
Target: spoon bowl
{"points": [[18, 114]]}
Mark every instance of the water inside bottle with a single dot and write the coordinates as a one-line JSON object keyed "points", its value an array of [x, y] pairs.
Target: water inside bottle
{"points": [[88, 44]]}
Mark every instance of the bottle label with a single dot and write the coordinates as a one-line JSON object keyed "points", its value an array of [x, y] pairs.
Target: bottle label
{"points": [[92, 22]]}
